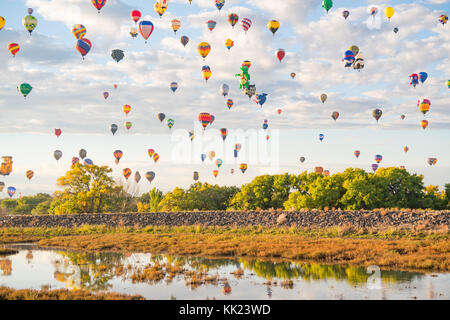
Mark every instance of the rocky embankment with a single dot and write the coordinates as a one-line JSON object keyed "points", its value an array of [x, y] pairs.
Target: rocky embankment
{"points": [[418, 220]]}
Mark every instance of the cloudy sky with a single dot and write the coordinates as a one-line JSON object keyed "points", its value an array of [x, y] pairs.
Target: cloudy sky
{"points": [[68, 91]]}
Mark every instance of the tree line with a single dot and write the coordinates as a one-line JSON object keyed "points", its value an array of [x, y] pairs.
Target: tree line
{"points": [[91, 189]]}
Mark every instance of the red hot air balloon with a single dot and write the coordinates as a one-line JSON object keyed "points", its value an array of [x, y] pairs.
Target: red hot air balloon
{"points": [[279, 111], [135, 15], [83, 46], [98, 4], [280, 53], [58, 132], [205, 119]]}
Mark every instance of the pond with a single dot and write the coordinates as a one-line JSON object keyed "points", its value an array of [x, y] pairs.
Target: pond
{"points": [[172, 277]]}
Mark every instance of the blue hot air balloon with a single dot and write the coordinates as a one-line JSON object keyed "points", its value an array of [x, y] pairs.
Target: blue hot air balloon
{"points": [[260, 98], [423, 76], [11, 191], [174, 86], [321, 136], [88, 162], [203, 156]]}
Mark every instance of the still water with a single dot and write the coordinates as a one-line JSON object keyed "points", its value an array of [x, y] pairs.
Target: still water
{"points": [[171, 277]]}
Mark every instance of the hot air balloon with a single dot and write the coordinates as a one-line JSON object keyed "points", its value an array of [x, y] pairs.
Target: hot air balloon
{"points": [[323, 97], [170, 123], [126, 173], [150, 175], [335, 115], [133, 32], [151, 152], [443, 19], [203, 157], [424, 105], [83, 46], [321, 136], [237, 148], [354, 49], [105, 95], [117, 55], [2, 186], [423, 76], [184, 40], [260, 98], [406, 149], [243, 167], [88, 162], [82, 153], [159, 9], [357, 153], [115, 86], [389, 12], [327, 4], [215, 173], [376, 113], [229, 44], [349, 58], [24, 89], [448, 84], [293, 75], [414, 79], [273, 26], [345, 14], [57, 154], [302, 159], [224, 89], [219, 162], [250, 90], [146, 28], [424, 124], [191, 135], [246, 63], [373, 11], [402, 116], [126, 108], [128, 125], [137, 177], [13, 48], [11, 191], [30, 23], [155, 157], [118, 155], [113, 128], [220, 4], [378, 158], [279, 111], [176, 24], [98, 4], [135, 15], [231, 170], [395, 29], [233, 18], [161, 117], [246, 23], [195, 176], [211, 155], [58, 132], [280, 53], [206, 72], [2, 22], [203, 49], [223, 133], [359, 62], [265, 124], [174, 86], [211, 24], [29, 174], [79, 31], [374, 167]]}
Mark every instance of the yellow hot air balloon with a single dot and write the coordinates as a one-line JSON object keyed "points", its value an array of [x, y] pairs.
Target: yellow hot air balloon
{"points": [[203, 49], [29, 174], [2, 22], [229, 43], [176, 24], [389, 12], [273, 26]]}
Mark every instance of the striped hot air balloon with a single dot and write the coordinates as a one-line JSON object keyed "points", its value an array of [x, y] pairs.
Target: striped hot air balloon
{"points": [[357, 153], [29, 174], [13, 48], [151, 152], [170, 123], [98, 4], [184, 40], [211, 24], [126, 173], [424, 105], [246, 23], [229, 103], [83, 46], [118, 155], [233, 18], [335, 115], [243, 167], [146, 28], [174, 86], [206, 72], [176, 25], [205, 119], [75, 160], [203, 49], [224, 133], [155, 157], [79, 31], [378, 158]]}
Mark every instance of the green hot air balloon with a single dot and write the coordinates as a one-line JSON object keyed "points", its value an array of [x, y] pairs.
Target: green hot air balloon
{"points": [[24, 89], [327, 4], [29, 22], [170, 123]]}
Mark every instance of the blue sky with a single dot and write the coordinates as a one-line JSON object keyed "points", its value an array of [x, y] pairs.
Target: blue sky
{"points": [[67, 92]]}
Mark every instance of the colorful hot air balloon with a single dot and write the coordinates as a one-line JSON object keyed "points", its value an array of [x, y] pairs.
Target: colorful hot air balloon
{"points": [[448, 84], [229, 103], [105, 95], [83, 46], [98, 4], [150, 175], [126, 173], [237, 148], [118, 155], [243, 167], [211, 155], [211, 24], [406, 149], [265, 124], [327, 4], [335, 115], [443, 19], [205, 119], [280, 53], [174, 86], [203, 49], [374, 167], [349, 58], [424, 124], [82, 153], [273, 26], [206, 72], [414, 79], [321, 136], [126, 108], [155, 157], [170, 123], [223, 133], [373, 11], [376, 113], [215, 173], [224, 89], [57, 154], [13, 48], [345, 14], [195, 176], [389, 12], [88, 162], [151, 152], [79, 31], [11, 191], [133, 32], [29, 174], [357, 153], [113, 128], [184, 40], [58, 132], [323, 97], [424, 105], [246, 23], [128, 125], [161, 117], [378, 158], [146, 28], [191, 135], [423, 76], [117, 55], [219, 162], [229, 44], [220, 4], [24, 89], [159, 9], [2, 22], [30, 23], [246, 63], [135, 15], [233, 18], [176, 25]]}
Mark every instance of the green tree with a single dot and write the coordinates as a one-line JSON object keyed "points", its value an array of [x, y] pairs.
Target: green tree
{"points": [[150, 202]]}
